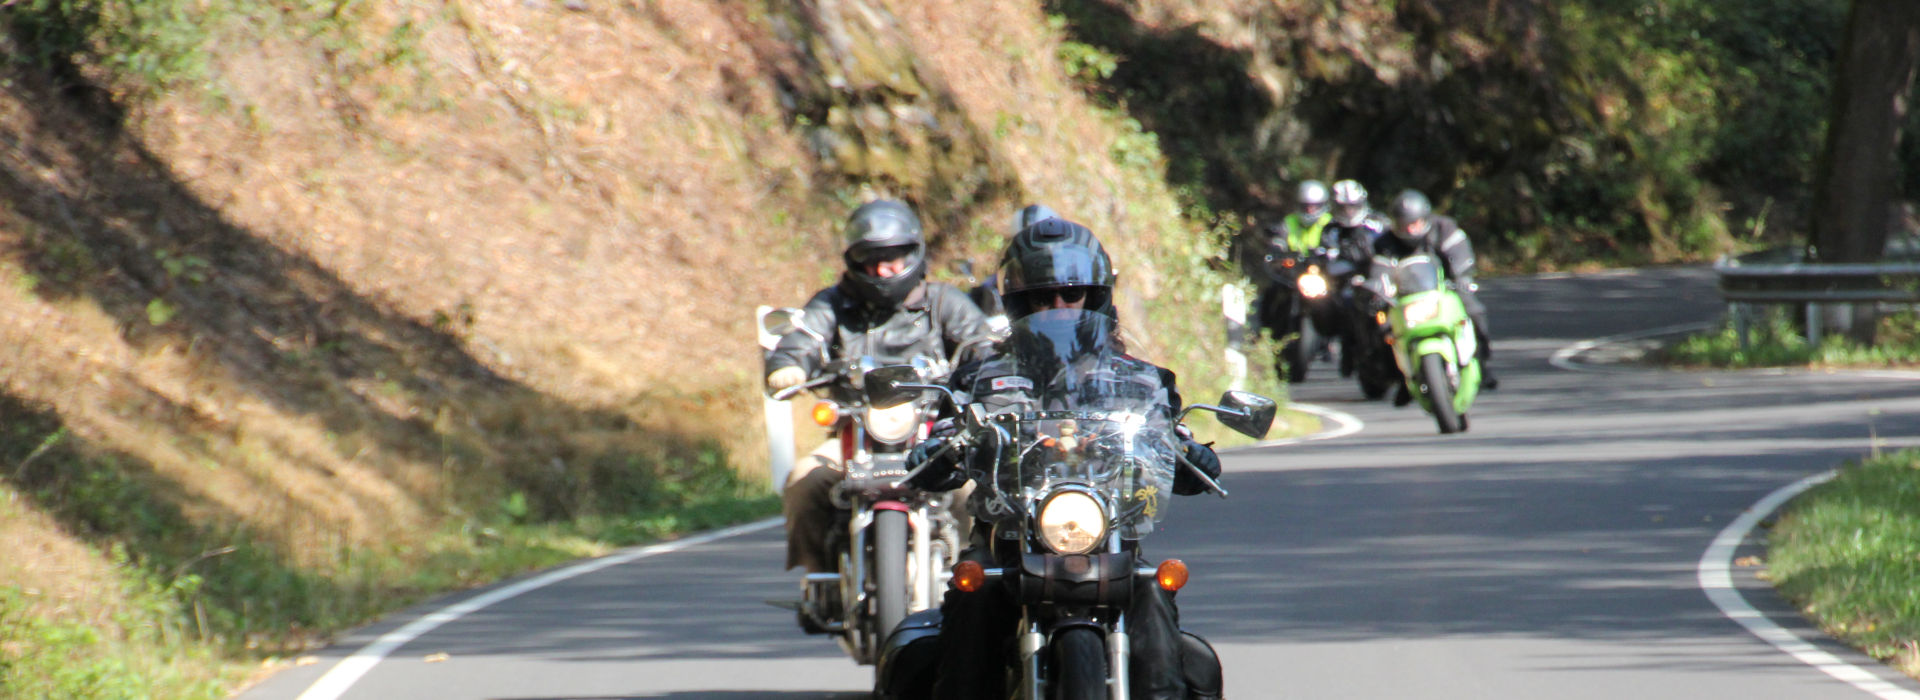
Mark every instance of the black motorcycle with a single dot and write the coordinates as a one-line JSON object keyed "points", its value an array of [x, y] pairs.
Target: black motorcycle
{"points": [[1075, 472], [1304, 305], [1373, 362]]}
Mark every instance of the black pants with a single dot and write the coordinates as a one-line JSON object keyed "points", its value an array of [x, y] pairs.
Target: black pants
{"points": [[979, 642]]}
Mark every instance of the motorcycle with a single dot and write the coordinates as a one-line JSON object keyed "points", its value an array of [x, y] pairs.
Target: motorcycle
{"points": [[1076, 472], [1374, 364], [896, 543], [1304, 305], [1433, 342]]}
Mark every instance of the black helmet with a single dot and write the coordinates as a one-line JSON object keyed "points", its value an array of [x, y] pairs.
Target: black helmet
{"points": [[1312, 198], [881, 229], [1053, 254], [1030, 215], [1411, 208], [1349, 203]]}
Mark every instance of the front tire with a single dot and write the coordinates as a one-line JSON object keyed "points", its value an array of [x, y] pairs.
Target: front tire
{"points": [[1433, 373], [1299, 352], [889, 572], [1079, 668]]}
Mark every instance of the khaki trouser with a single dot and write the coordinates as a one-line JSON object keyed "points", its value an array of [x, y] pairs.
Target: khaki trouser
{"points": [[808, 504]]}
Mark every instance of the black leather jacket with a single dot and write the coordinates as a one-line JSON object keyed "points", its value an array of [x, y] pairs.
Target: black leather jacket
{"points": [[936, 321]]}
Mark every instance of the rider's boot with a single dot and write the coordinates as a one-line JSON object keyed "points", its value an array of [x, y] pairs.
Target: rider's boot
{"points": [[1201, 667], [1401, 396]]}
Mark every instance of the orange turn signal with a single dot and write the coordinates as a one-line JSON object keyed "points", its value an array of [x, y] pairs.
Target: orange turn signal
{"points": [[1172, 574], [825, 413], [1379, 317], [1287, 262], [969, 576]]}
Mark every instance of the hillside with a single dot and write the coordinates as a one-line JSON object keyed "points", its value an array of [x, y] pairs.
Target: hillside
{"points": [[312, 309]]}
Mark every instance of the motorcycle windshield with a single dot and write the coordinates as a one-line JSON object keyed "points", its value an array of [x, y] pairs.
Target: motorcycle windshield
{"points": [[1415, 275], [1095, 417]]}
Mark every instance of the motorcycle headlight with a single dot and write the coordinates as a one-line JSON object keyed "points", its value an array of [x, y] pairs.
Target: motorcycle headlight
{"points": [[1072, 522], [1423, 310], [892, 425], [1313, 285]]}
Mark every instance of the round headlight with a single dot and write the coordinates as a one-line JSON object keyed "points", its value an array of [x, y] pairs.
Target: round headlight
{"points": [[1313, 285], [1072, 522], [891, 425]]}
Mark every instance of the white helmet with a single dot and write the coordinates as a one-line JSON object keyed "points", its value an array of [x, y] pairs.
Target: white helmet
{"points": [[1349, 203]]}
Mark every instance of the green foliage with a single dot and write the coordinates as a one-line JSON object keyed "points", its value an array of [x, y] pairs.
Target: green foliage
{"points": [[1774, 341], [1848, 551]]}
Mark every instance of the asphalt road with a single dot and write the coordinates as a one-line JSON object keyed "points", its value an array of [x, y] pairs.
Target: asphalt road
{"points": [[1552, 551]]}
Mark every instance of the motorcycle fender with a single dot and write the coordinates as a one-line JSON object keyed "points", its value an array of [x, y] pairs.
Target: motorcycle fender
{"points": [[908, 657], [1434, 344]]}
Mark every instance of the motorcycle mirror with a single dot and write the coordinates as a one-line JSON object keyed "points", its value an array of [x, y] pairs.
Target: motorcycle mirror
{"points": [[1247, 413], [892, 385], [964, 267], [783, 320]]}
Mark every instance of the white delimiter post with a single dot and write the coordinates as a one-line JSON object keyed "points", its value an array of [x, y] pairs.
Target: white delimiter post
{"points": [[1233, 306], [779, 416]]}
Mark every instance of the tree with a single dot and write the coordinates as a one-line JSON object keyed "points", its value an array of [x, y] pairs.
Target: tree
{"points": [[1872, 80], [1857, 183]]}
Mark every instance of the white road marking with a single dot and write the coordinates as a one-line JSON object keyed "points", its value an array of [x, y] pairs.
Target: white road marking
{"points": [[1716, 580], [1348, 425], [1715, 570], [1565, 358], [349, 670]]}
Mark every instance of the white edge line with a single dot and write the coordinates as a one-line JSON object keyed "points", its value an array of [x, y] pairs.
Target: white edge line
{"points": [[1348, 425], [1564, 357], [1716, 580], [344, 674]]}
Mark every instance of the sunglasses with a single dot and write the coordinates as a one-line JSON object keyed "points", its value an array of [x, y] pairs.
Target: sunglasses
{"points": [[1071, 295]]}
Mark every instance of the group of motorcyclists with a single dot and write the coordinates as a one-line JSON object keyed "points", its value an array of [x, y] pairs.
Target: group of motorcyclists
{"points": [[1339, 226], [884, 307]]}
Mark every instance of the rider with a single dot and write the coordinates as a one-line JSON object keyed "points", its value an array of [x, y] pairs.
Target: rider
{"points": [[1351, 233], [1299, 233], [882, 307], [1055, 264], [1303, 228], [1417, 230]]}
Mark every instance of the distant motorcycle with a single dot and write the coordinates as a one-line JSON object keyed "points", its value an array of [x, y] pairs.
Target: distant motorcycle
{"points": [[1433, 342], [1374, 364], [896, 545], [1304, 305], [1076, 473]]}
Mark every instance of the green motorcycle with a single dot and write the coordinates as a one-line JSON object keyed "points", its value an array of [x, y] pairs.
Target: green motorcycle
{"points": [[1433, 342]]}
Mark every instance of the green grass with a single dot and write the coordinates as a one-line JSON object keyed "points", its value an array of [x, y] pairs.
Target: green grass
{"points": [[1773, 341], [1847, 553]]}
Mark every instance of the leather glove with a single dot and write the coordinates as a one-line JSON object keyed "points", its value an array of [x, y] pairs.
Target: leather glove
{"points": [[942, 473], [785, 378], [1202, 456]]}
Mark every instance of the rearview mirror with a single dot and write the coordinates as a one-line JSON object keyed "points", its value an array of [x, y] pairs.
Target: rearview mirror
{"points": [[1247, 413], [783, 320], [892, 385]]}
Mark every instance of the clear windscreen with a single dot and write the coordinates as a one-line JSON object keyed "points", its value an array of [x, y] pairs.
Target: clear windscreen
{"points": [[1416, 274], [1092, 416]]}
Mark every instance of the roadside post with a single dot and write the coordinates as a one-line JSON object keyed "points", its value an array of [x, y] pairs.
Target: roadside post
{"points": [[1233, 306]]}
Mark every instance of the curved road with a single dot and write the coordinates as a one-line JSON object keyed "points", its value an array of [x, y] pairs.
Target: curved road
{"points": [[1550, 552]]}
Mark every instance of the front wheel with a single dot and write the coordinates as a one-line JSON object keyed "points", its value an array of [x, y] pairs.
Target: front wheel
{"points": [[889, 572], [1079, 665], [1433, 373], [1299, 352]]}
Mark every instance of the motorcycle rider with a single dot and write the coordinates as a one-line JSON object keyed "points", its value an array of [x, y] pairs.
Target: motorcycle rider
{"points": [[1054, 264], [1351, 233], [1417, 230], [1303, 228], [882, 306]]}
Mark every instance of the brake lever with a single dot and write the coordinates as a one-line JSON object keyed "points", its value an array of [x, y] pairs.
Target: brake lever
{"points": [[1212, 485]]}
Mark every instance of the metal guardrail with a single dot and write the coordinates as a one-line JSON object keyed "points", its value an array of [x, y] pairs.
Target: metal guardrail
{"points": [[1780, 277]]}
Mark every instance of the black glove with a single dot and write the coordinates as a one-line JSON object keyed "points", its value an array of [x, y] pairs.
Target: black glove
{"points": [[942, 472], [1202, 456]]}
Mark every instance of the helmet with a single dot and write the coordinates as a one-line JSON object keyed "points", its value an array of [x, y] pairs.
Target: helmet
{"points": [[1053, 254], [1410, 210], [880, 229], [1030, 214], [1349, 203], [1312, 197]]}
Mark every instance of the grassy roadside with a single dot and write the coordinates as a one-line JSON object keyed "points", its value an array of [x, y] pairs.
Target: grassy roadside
{"points": [[1847, 554], [1773, 341]]}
